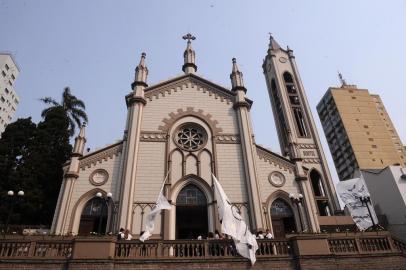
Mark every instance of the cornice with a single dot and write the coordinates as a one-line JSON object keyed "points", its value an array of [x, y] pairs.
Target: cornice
{"points": [[153, 136], [274, 159], [100, 155]]}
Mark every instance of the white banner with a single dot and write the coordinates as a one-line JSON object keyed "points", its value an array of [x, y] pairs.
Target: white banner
{"points": [[350, 192], [161, 203], [233, 225]]}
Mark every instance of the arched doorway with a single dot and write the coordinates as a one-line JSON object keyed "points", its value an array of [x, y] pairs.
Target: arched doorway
{"points": [[191, 213], [282, 217], [94, 217]]}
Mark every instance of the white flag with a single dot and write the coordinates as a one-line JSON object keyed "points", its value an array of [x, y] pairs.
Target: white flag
{"points": [[161, 203], [233, 225], [349, 192]]}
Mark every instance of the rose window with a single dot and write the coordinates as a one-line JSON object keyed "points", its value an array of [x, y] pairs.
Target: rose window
{"points": [[190, 137]]}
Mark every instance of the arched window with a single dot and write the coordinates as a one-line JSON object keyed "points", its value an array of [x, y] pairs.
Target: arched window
{"points": [[295, 105], [283, 221], [191, 195], [94, 217], [191, 213], [319, 193], [279, 117]]}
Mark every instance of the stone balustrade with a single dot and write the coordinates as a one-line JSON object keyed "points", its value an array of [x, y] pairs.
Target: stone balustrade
{"points": [[31, 250]]}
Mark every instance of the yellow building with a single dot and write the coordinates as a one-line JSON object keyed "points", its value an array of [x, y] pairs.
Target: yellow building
{"points": [[359, 131]]}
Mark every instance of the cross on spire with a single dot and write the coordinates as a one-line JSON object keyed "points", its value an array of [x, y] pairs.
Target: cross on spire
{"points": [[189, 37]]}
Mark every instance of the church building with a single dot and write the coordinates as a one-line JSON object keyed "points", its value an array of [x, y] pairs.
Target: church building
{"points": [[184, 130]]}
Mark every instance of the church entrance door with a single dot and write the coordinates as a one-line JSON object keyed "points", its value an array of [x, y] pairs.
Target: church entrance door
{"points": [[191, 213], [94, 217], [283, 221]]}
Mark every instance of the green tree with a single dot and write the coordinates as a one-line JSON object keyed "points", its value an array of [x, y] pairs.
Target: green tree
{"points": [[31, 159], [73, 107]]}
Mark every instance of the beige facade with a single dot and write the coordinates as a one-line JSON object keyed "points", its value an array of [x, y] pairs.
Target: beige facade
{"points": [[189, 128], [9, 99], [359, 131]]}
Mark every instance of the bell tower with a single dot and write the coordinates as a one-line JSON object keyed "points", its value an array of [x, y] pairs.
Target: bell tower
{"points": [[297, 132]]}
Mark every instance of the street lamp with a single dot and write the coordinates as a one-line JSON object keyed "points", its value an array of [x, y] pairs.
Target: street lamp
{"points": [[297, 199], [106, 199], [365, 200], [10, 199]]}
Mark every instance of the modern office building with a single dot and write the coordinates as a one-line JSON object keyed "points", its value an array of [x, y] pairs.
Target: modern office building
{"points": [[8, 97], [359, 131]]}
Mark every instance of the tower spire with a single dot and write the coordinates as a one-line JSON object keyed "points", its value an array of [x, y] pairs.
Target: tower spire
{"points": [[80, 141], [273, 45], [141, 72], [189, 55], [236, 77]]}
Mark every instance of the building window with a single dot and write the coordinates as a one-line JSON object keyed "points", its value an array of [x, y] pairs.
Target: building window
{"points": [[6, 90], [354, 97], [190, 137], [365, 126], [2, 99], [12, 77], [295, 104], [370, 139], [7, 67], [3, 73], [374, 146], [10, 83]]}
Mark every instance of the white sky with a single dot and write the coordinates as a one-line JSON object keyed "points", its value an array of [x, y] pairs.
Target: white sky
{"points": [[94, 46]]}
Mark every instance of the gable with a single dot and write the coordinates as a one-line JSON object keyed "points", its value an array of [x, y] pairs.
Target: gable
{"points": [[189, 93]]}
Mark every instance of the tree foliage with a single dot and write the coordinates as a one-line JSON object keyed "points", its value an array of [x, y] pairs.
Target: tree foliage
{"points": [[74, 108], [31, 159]]}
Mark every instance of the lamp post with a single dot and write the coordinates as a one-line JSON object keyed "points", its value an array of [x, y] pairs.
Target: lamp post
{"points": [[297, 199], [106, 199], [365, 200], [10, 198]]}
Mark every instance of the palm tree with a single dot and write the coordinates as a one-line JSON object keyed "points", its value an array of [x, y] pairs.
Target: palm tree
{"points": [[73, 107]]}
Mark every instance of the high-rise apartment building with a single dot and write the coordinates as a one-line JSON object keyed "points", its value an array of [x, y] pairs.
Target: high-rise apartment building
{"points": [[359, 131], [8, 97]]}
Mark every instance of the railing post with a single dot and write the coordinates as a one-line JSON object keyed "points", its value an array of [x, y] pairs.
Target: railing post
{"points": [[391, 244], [31, 250], [160, 249], [206, 248]]}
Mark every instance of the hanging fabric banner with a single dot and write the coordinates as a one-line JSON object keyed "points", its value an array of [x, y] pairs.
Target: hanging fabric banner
{"points": [[161, 203], [350, 192], [233, 224]]}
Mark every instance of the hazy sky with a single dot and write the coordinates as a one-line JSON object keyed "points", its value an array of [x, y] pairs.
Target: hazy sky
{"points": [[94, 46]]}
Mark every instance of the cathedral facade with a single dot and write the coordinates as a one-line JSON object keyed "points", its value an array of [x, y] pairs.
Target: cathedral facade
{"points": [[181, 131]]}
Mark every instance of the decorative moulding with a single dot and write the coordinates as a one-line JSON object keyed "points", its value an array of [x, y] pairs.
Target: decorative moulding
{"points": [[99, 177], [276, 179]]}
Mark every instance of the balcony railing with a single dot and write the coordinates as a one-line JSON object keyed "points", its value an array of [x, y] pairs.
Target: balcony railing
{"points": [[78, 248], [195, 249]]}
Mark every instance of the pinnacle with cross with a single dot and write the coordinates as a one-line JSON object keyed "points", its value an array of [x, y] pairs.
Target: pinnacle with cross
{"points": [[189, 37]]}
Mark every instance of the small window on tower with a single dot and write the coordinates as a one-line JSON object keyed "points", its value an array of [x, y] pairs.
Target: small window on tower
{"points": [[7, 67], [3, 73], [12, 77]]}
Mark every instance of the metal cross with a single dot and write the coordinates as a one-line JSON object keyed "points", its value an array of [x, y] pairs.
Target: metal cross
{"points": [[189, 37]]}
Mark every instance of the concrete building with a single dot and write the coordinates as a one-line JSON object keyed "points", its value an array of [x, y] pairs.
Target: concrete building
{"points": [[9, 99], [388, 194], [359, 131], [189, 128]]}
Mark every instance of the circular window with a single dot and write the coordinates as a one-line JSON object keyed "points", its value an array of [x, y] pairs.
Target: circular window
{"points": [[99, 177], [276, 179], [190, 137]]}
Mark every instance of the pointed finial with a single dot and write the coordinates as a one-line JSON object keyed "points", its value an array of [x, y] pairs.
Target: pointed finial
{"points": [[80, 142], [273, 45], [189, 55], [141, 72], [236, 77], [342, 80]]}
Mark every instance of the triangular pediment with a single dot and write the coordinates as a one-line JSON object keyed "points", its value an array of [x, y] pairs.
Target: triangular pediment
{"points": [[189, 80]]}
